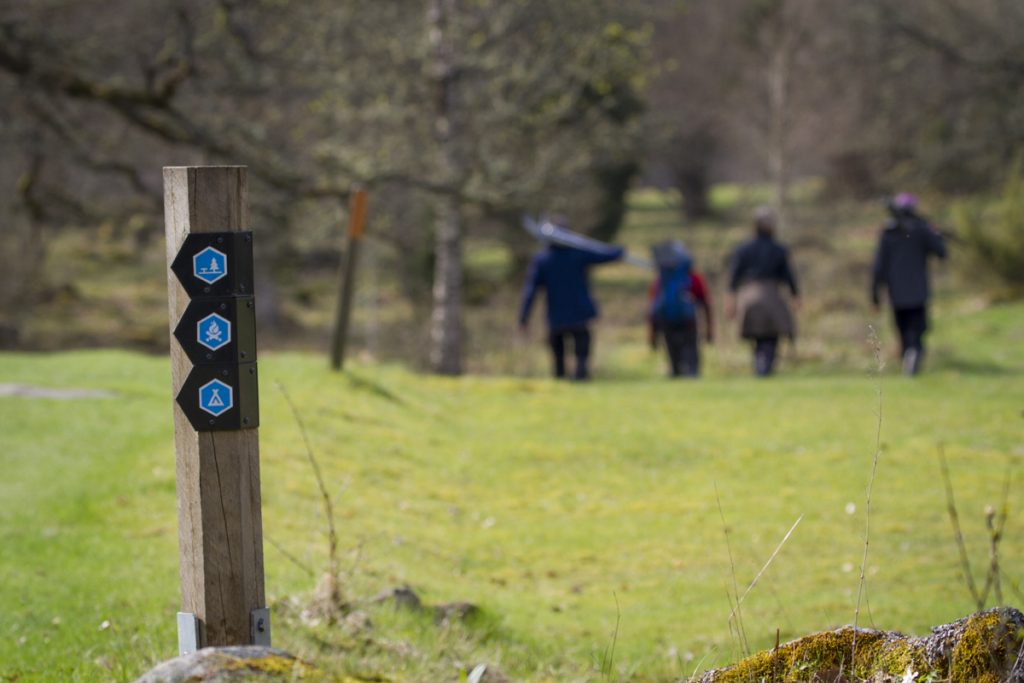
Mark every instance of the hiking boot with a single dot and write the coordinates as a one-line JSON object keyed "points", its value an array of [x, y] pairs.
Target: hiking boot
{"points": [[910, 362]]}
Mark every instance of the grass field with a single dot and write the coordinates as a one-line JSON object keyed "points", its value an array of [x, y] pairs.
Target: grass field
{"points": [[583, 520], [575, 516]]}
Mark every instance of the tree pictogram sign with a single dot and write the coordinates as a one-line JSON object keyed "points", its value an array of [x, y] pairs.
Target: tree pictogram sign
{"points": [[209, 265], [215, 264]]}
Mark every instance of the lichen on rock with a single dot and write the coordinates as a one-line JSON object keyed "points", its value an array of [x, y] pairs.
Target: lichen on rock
{"points": [[986, 647]]}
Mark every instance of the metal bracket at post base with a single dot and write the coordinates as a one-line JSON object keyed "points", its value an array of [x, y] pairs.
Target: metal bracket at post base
{"points": [[188, 633], [259, 626], [189, 626]]}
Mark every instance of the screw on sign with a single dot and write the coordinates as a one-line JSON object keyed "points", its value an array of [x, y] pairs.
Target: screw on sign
{"points": [[213, 331], [216, 397]]}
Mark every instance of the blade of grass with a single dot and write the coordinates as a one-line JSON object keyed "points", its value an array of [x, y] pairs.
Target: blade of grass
{"points": [[767, 564], [744, 644]]}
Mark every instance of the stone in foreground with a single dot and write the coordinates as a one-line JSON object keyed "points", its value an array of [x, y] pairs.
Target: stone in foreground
{"points": [[986, 647], [232, 665]]}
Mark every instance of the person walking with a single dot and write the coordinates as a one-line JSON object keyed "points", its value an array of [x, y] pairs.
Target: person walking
{"points": [[901, 266], [673, 300], [563, 273], [758, 268]]}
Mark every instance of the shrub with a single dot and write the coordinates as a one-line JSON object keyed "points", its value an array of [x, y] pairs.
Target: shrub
{"points": [[993, 232]]}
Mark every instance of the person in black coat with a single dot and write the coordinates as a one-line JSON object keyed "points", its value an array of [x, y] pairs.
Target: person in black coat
{"points": [[901, 266], [563, 273], [758, 269]]}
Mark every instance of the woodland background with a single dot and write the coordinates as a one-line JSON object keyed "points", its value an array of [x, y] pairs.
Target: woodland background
{"points": [[460, 116]]}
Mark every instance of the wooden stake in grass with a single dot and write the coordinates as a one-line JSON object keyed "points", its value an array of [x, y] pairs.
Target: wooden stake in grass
{"points": [[220, 528], [347, 277]]}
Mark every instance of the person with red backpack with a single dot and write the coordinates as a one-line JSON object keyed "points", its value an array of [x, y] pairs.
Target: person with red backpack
{"points": [[673, 301]]}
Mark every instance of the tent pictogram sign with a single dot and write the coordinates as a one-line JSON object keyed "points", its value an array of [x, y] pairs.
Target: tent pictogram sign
{"points": [[221, 397], [216, 398]]}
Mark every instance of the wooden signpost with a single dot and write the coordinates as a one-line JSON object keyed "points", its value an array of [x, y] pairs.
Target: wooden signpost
{"points": [[216, 410], [347, 277]]}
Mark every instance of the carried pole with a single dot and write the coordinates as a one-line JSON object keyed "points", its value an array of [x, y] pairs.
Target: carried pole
{"points": [[216, 411], [347, 277]]}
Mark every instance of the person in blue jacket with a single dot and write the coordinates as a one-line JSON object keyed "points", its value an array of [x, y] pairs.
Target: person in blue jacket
{"points": [[562, 272]]}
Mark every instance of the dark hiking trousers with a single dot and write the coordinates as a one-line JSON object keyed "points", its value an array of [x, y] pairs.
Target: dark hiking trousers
{"points": [[580, 346], [683, 352], [765, 349], [912, 324]]}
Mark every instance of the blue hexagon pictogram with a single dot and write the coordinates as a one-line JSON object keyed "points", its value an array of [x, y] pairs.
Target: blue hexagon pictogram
{"points": [[213, 331], [216, 397], [209, 265]]}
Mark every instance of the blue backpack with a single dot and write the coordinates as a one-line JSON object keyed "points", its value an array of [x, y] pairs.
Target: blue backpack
{"points": [[673, 303]]}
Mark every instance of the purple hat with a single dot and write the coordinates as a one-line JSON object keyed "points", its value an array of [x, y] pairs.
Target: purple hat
{"points": [[904, 201]]}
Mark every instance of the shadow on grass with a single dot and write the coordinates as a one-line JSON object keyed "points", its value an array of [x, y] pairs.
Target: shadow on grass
{"points": [[973, 366], [375, 388]]}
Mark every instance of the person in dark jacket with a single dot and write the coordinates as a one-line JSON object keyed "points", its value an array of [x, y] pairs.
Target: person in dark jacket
{"points": [[562, 272], [901, 265], [757, 270]]}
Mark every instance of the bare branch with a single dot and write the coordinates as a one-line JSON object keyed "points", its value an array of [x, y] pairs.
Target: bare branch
{"points": [[1004, 64]]}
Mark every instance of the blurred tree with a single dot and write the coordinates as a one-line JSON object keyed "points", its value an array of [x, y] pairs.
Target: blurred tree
{"points": [[478, 106], [872, 94], [744, 83], [955, 71], [695, 72]]}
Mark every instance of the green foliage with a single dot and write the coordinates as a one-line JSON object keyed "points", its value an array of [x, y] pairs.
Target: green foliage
{"points": [[994, 231]]}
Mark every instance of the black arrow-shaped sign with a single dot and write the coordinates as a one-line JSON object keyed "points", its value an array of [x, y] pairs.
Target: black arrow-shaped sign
{"points": [[221, 397], [218, 330], [214, 264]]}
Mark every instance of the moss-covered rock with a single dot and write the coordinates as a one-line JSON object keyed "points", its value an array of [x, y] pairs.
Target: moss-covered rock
{"points": [[987, 647], [990, 648], [232, 665]]}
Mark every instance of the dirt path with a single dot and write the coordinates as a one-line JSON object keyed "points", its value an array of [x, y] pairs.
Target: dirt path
{"points": [[28, 391]]}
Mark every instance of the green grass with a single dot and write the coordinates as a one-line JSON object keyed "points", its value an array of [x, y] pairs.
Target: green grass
{"points": [[557, 508]]}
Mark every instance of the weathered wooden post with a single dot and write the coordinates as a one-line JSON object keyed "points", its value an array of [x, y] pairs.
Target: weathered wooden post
{"points": [[347, 277], [216, 412]]}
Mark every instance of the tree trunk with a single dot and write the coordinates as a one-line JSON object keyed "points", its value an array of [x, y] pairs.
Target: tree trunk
{"points": [[446, 315], [778, 87], [692, 154], [614, 180]]}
